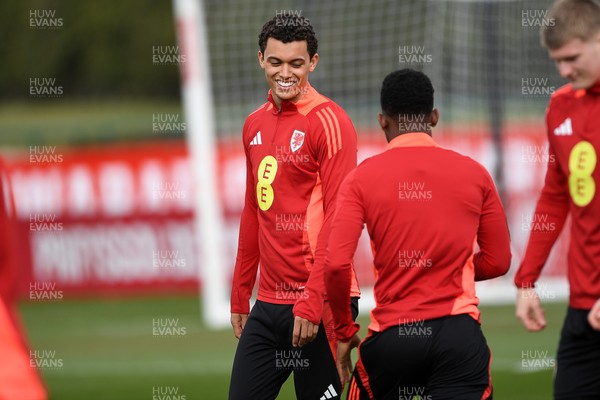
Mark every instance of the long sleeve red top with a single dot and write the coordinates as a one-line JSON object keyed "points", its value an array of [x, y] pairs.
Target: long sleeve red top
{"points": [[296, 159], [570, 187], [423, 206]]}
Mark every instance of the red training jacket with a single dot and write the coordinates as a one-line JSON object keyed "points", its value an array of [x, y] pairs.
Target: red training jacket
{"points": [[296, 159], [424, 206], [571, 187]]}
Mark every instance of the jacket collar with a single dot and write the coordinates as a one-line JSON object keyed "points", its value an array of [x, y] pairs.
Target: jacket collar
{"points": [[595, 88], [310, 96], [412, 139]]}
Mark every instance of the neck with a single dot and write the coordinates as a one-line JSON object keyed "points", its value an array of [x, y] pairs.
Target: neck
{"points": [[301, 93], [277, 100], [393, 135]]}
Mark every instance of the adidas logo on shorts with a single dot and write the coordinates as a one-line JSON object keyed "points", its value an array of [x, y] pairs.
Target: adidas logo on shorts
{"points": [[330, 393]]}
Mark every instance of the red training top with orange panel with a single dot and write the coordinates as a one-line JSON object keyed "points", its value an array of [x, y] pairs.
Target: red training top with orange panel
{"points": [[424, 207], [296, 159]]}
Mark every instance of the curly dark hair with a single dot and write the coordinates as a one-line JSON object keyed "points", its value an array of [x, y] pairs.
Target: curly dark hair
{"points": [[289, 29], [406, 92]]}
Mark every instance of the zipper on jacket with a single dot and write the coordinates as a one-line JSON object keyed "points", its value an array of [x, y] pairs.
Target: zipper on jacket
{"points": [[279, 112]]}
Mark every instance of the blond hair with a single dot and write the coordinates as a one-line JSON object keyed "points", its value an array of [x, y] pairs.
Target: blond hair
{"points": [[570, 19]]}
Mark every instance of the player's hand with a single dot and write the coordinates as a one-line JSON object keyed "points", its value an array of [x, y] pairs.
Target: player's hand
{"points": [[344, 361], [238, 321], [529, 310], [594, 316], [304, 332]]}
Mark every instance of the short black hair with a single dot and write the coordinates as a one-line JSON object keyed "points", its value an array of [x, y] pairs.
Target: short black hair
{"points": [[289, 29], [406, 92]]}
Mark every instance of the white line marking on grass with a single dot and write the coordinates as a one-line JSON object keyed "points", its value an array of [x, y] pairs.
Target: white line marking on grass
{"points": [[137, 367]]}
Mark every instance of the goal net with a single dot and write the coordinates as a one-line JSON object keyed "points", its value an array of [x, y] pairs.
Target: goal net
{"points": [[491, 76]]}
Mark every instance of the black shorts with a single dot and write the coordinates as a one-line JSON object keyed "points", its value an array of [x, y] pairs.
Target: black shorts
{"points": [[578, 359], [443, 358], [265, 358]]}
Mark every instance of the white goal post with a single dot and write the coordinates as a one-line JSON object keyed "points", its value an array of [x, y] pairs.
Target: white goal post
{"points": [[200, 134]]}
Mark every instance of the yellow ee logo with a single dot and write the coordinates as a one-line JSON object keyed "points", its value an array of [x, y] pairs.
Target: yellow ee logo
{"points": [[266, 175], [582, 162]]}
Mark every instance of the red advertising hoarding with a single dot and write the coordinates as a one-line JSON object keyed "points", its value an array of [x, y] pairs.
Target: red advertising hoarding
{"points": [[118, 219]]}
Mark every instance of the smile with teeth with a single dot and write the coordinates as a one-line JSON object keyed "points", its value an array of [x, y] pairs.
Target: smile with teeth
{"points": [[286, 84]]}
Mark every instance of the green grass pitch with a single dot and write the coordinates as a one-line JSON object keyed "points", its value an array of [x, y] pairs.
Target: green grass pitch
{"points": [[108, 350]]}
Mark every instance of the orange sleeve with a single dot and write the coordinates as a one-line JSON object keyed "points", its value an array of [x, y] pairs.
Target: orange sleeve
{"points": [[553, 207], [493, 237], [248, 255], [336, 151], [345, 233]]}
